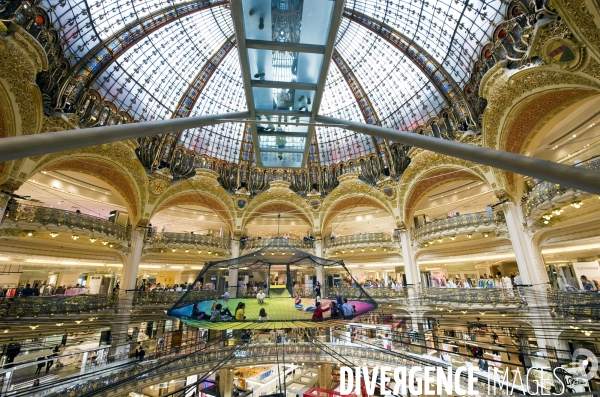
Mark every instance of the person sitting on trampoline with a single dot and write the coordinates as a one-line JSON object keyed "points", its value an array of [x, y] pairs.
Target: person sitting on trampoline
{"points": [[260, 297], [263, 316], [318, 312], [218, 315], [298, 302], [312, 308], [239, 312]]}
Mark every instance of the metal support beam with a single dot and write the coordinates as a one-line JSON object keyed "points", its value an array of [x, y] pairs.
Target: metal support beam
{"points": [[284, 46], [18, 147], [283, 84], [573, 177]]}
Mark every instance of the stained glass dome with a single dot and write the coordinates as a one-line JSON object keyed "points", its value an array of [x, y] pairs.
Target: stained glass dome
{"points": [[399, 63]]}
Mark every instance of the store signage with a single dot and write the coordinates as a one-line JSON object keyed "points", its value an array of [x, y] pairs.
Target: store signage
{"points": [[589, 269]]}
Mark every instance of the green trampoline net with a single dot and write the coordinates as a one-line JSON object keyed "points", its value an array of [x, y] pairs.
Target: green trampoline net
{"points": [[276, 288]]}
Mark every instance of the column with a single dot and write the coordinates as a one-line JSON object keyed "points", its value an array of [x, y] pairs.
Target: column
{"points": [[226, 382], [119, 329], [324, 376], [529, 259], [232, 279], [130, 270], [320, 270], [533, 272], [411, 268]]}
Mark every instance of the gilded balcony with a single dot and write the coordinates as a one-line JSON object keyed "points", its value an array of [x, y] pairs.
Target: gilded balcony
{"points": [[30, 218], [162, 242], [362, 241], [546, 198], [483, 222]]}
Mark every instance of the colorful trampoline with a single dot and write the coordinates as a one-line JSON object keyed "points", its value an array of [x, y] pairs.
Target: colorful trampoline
{"points": [[282, 272]]}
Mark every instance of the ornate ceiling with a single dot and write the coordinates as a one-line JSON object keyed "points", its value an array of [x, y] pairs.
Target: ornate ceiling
{"points": [[396, 62]]}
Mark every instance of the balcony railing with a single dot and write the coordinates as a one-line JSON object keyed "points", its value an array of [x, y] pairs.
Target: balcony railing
{"points": [[198, 240], [55, 305], [33, 215], [143, 374], [474, 296], [547, 195], [577, 304], [257, 243], [459, 224], [358, 240]]}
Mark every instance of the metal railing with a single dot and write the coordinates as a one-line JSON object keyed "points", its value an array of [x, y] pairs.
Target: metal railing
{"points": [[147, 372], [459, 224], [578, 304], [191, 239], [362, 239], [36, 306], [38, 215], [545, 192], [257, 243], [473, 296]]}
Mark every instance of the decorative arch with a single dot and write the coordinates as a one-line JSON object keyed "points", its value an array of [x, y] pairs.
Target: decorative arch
{"points": [[279, 198], [202, 190], [352, 192], [114, 164], [429, 170], [520, 103]]}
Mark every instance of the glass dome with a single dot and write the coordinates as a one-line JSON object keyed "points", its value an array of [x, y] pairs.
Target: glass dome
{"points": [[397, 63]]}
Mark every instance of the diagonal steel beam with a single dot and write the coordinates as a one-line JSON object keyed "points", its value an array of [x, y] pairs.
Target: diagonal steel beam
{"points": [[97, 60], [51, 142], [573, 177], [441, 79], [17, 147]]}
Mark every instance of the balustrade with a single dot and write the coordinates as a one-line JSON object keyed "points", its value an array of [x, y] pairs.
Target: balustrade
{"points": [[362, 239], [457, 224], [544, 194], [474, 296], [577, 304], [32, 214], [55, 305], [191, 239], [257, 243]]}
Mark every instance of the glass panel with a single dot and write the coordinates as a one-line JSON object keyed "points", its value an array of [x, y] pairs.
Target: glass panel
{"points": [[149, 80], [272, 123], [282, 99], [282, 142], [289, 21], [284, 66], [452, 32], [281, 159], [401, 94]]}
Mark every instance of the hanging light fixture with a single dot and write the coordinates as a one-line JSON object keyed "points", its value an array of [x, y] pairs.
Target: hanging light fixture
{"points": [[53, 234]]}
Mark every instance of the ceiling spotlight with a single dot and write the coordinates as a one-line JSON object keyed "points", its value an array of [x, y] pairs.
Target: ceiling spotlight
{"points": [[92, 240], [209, 252], [74, 237], [485, 234], [173, 249], [440, 240], [577, 205], [29, 234], [186, 251], [452, 238], [33, 326], [59, 324], [53, 234], [111, 245], [199, 251], [104, 242], [469, 235]]}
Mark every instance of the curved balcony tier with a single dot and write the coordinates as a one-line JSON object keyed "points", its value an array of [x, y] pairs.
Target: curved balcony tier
{"points": [[576, 304], [162, 241], [482, 222], [546, 197], [510, 297], [32, 217], [254, 244], [360, 241]]}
